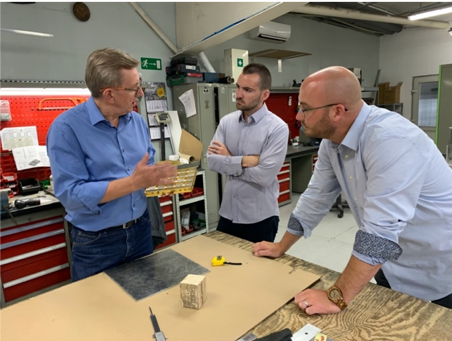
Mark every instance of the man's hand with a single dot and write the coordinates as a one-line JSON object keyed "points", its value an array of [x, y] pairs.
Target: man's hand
{"points": [[315, 301], [267, 249], [151, 175], [218, 148], [250, 161]]}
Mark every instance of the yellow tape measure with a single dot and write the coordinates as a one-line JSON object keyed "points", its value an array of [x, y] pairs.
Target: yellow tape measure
{"points": [[220, 260]]}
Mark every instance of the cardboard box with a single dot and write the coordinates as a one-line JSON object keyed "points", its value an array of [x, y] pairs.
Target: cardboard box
{"points": [[389, 94], [190, 148], [382, 87]]}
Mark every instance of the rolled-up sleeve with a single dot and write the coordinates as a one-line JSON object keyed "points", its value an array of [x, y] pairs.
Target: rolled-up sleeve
{"points": [[70, 173]]}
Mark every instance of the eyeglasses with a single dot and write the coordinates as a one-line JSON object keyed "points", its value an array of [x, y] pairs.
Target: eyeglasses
{"points": [[137, 90], [304, 111]]}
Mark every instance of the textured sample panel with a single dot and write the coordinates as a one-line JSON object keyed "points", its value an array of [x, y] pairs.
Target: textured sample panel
{"points": [[150, 275]]}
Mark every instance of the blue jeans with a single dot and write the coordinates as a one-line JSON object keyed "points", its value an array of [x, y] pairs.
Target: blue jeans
{"points": [[94, 252]]}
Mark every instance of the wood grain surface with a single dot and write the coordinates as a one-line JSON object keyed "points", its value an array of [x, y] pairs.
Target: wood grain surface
{"points": [[376, 313]]}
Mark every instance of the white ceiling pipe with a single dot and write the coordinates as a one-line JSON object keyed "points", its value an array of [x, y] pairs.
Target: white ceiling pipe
{"points": [[152, 25], [351, 14], [205, 62]]}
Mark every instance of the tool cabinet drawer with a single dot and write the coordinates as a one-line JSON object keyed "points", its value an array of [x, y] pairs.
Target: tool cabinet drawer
{"points": [[167, 208], [284, 197], [169, 226], [170, 239], [285, 167], [283, 175], [25, 238], [33, 257], [35, 282], [284, 185], [12, 272]]}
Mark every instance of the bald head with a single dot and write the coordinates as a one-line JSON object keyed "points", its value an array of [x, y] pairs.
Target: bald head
{"points": [[333, 84]]}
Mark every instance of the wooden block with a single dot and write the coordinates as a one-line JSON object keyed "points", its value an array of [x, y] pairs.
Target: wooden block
{"points": [[193, 291]]}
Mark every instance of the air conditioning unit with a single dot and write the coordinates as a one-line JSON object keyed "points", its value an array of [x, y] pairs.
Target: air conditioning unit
{"points": [[271, 32]]}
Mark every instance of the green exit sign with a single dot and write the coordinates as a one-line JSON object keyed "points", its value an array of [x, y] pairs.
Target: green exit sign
{"points": [[151, 64], [239, 62]]}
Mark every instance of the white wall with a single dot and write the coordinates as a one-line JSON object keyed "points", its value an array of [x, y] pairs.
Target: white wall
{"points": [[413, 52], [329, 45], [64, 56]]}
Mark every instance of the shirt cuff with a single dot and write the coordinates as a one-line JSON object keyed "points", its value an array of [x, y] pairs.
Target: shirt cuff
{"points": [[236, 165], [372, 246], [367, 259], [294, 227]]}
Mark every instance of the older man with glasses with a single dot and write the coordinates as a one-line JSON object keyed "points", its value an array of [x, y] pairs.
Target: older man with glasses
{"points": [[101, 160], [398, 186]]}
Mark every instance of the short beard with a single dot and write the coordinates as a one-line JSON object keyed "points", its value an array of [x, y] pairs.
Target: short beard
{"points": [[249, 107], [324, 129]]}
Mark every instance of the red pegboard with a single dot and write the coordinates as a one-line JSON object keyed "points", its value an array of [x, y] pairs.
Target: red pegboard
{"points": [[39, 111], [279, 105]]}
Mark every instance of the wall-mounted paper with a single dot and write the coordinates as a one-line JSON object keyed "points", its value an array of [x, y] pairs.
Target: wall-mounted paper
{"points": [[188, 100], [31, 157], [19, 137], [155, 96], [155, 132]]}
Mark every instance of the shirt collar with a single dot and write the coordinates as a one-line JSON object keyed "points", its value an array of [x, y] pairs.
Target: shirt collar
{"points": [[351, 140], [96, 116], [258, 115]]}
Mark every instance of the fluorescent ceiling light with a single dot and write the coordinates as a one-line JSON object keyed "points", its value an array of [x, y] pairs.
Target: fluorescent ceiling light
{"points": [[430, 14], [30, 33]]}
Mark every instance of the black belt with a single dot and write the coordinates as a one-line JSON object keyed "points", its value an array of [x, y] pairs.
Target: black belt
{"points": [[125, 225]]}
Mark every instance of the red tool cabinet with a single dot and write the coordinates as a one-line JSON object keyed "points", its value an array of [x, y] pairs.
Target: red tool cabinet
{"points": [[33, 254]]}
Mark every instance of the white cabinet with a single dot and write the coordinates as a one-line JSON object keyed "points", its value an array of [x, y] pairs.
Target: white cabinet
{"points": [[191, 210]]}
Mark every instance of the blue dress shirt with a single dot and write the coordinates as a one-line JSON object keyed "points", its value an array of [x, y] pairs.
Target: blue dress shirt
{"points": [[86, 153], [251, 194], [399, 189]]}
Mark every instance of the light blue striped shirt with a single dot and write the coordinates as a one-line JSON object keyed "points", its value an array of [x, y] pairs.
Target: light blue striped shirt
{"points": [[86, 152], [399, 189], [251, 194]]}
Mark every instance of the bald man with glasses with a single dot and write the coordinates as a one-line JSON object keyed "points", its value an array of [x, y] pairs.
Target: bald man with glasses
{"points": [[398, 186]]}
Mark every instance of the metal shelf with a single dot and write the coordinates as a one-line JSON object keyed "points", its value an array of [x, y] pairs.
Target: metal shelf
{"points": [[193, 234], [178, 204], [191, 200]]}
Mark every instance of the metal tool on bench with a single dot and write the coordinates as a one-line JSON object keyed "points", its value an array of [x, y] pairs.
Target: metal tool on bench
{"points": [[158, 334], [21, 203]]}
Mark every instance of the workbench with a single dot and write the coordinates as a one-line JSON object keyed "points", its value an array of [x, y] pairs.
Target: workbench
{"points": [[377, 313], [302, 161]]}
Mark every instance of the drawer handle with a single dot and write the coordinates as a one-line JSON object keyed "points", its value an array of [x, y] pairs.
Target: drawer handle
{"points": [[31, 254], [31, 239], [31, 227], [35, 275]]}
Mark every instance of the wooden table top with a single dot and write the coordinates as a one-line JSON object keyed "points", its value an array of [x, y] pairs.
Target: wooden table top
{"points": [[376, 313]]}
